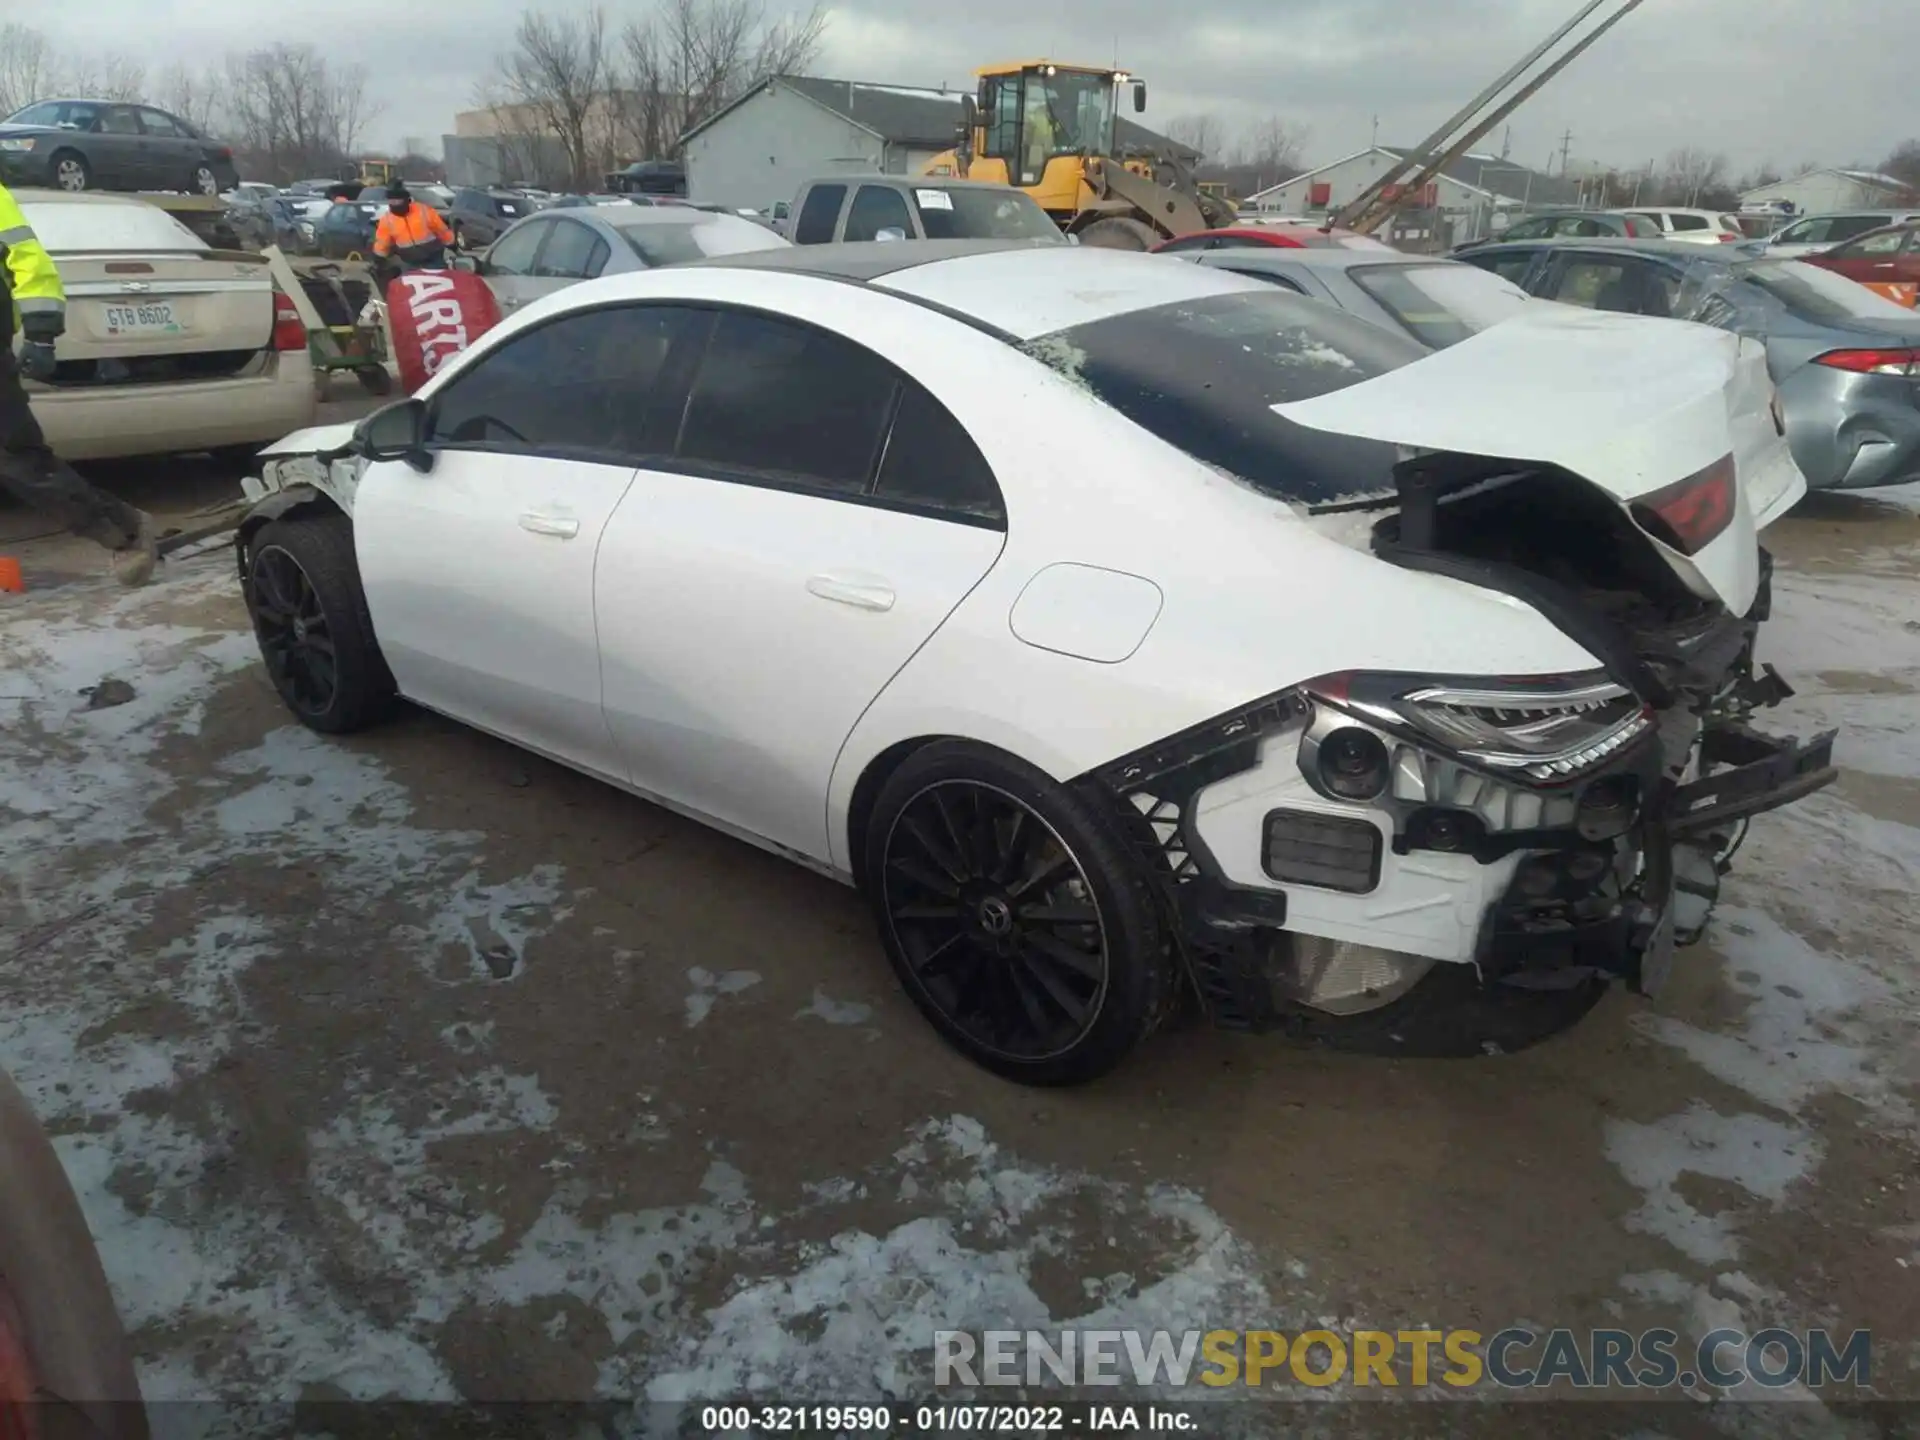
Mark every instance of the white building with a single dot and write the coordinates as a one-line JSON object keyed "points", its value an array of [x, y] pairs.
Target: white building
{"points": [[1819, 191], [790, 128], [1469, 192]]}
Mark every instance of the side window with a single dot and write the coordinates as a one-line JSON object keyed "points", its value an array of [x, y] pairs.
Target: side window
{"points": [[818, 214], [118, 120], [514, 252], [931, 460], [1000, 111], [1691, 222], [1621, 286], [156, 122], [1507, 264], [1807, 232], [1652, 217], [1529, 230], [587, 384], [568, 253], [877, 208], [469, 200], [787, 403], [1888, 243]]}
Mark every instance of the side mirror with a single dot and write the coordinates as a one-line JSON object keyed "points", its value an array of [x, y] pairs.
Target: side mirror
{"points": [[969, 113], [1139, 96], [398, 432], [892, 232]]}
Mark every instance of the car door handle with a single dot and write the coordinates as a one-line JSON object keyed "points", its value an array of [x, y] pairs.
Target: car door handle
{"points": [[558, 525], [861, 594]]}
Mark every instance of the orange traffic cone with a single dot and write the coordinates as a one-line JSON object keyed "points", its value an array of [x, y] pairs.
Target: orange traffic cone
{"points": [[11, 582]]}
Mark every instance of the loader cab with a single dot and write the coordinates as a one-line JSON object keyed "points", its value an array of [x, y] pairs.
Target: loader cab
{"points": [[1036, 121]]}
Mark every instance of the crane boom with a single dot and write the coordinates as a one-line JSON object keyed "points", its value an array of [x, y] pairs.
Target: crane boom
{"points": [[1370, 208]]}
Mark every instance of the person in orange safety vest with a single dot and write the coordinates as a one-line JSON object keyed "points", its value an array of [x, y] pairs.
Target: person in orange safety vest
{"points": [[410, 234]]}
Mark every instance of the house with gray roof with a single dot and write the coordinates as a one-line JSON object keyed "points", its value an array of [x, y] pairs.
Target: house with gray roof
{"points": [[787, 129]]}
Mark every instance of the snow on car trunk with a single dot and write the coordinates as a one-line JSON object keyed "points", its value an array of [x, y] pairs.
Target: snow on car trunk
{"points": [[1673, 421]]}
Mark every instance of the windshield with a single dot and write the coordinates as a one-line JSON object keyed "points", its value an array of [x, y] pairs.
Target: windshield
{"points": [[1066, 113], [68, 114], [1203, 375], [670, 244], [969, 214], [1820, 296]]}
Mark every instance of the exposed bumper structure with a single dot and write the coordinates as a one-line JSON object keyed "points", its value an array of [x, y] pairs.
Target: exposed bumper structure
{"points": [[1542, 875]]}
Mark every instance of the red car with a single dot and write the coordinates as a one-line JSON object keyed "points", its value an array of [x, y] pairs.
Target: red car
{"points": [[1304, 235], [1889, 256]]}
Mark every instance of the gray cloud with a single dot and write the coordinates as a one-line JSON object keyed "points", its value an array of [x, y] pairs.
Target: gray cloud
{"points": [[1762, 80]]}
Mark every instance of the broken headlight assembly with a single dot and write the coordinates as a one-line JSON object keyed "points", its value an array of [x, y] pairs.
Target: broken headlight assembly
{"points": [[1539, 730]]}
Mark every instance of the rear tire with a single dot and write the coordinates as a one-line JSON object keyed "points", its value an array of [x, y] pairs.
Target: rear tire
{"points": [[204, 181], [68, 170], [1449, 1015], [311, 619], [1015, 916], [1117, 232]]}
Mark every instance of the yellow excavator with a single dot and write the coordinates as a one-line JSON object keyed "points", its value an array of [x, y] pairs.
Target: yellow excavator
{"points": [[1051, 130]]}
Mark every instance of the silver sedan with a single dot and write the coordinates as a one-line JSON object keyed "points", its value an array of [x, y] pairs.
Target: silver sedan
{"points": [[551, 249], [1438, 302]]}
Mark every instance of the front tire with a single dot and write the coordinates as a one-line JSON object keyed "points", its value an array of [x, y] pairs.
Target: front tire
{"points": [[1014, 915], [310, 616], [69, 171]]}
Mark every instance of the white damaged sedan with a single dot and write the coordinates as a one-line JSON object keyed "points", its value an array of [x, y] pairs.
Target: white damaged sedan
{"points": [[1126, 631]]}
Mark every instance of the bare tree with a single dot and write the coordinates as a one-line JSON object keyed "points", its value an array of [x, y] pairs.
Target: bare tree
{"points": [[557, 75], [1689, 173], [1904, 164], [110, 76], [1199, 131], [26, 67], [1273, 147], [192, 95], [692, 57], [291, 115]]}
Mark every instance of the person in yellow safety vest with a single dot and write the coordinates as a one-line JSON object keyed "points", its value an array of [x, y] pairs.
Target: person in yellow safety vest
{"points": [[410, 234], [29, 471]]}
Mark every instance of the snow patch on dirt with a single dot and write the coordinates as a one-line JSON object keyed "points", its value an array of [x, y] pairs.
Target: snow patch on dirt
{"points": [[835, 1012], [854, 1316], [709, 989]]}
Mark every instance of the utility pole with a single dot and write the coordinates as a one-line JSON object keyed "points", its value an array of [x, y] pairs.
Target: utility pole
{"points": [[1506, 143], [1376, 132], [1566, 149]]}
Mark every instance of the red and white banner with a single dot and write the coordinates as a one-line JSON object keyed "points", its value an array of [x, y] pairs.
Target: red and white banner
{"points": [[434, 315]]}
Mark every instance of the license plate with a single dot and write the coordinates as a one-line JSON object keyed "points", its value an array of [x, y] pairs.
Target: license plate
{"points": [[146, 317]]}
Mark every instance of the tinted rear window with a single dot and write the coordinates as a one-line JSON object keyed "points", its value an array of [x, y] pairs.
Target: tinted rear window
{"points": [[1203, 376], [967, 214], [1440, 305], [659, 244]]}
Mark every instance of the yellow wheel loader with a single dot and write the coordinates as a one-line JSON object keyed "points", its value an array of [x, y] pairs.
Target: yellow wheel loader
{"points": [[1050, 130]]}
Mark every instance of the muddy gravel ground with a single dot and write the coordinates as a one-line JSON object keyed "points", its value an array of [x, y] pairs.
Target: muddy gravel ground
{"points": [[411, 1066]]}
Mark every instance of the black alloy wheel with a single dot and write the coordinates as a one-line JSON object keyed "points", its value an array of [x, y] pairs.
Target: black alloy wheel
{"points": [[996, 919], [296, 638]]}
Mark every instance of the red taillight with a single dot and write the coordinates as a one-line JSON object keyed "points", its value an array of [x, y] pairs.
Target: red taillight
{"points": [[1872, 362], [289, 330], [1335, 687], [1728, 239], [1690, 514]]}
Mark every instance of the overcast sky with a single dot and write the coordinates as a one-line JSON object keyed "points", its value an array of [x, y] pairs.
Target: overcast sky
{"points": [[1780, 81]]}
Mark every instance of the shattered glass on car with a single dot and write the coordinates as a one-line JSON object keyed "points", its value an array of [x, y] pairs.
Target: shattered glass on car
{"points": [[1203, 375]]}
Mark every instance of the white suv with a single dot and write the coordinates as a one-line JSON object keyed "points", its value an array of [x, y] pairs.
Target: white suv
{"points": [[1700, 227], [1822, 232]]}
